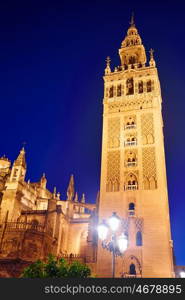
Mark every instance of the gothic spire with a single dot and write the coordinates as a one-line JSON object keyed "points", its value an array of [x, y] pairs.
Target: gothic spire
{"points": [[21, 161], [70, 189]]}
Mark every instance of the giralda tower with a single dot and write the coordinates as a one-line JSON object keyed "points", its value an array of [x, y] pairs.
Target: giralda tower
{"points": [[133, 172]]}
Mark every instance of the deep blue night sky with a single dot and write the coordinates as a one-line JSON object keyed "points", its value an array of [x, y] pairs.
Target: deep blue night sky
{"points": [[52, 59]]}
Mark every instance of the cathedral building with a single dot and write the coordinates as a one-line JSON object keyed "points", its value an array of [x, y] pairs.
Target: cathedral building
{"points": [[35, 222]]}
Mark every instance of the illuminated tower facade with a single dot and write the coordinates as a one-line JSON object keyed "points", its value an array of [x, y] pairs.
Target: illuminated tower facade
{"points": [[133, 172]]}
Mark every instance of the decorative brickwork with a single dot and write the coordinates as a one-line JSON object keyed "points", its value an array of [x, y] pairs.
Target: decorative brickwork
{"points": [[147, 128], [139, 224], [149, 168], [134, 104], [113, 133], [113, 171]]}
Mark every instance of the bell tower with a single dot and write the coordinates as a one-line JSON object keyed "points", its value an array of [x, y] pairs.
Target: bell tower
{"points": [[133, 173]]}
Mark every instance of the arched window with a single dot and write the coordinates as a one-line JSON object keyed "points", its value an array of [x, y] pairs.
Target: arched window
{"points": [[132, 59], [140, 87], [131, 183], [34, 224], [119, 90], [130, 122], [149, 86], [139, 241], [131, 206], [130, 86], [111, 92], [132, 269]]}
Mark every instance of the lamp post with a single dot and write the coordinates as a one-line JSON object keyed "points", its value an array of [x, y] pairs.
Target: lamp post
{"points": [[118, 242]]}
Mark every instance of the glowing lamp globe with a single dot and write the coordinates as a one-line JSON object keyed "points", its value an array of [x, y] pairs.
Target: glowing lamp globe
{"points": [[114, 222], [102, 231], [182, 274], [122, 243]]}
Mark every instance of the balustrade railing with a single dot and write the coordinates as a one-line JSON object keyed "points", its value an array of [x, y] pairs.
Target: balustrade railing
{"points": [[131, 126], [131, 187], [130, 143], [131, 163], [22, 226]]}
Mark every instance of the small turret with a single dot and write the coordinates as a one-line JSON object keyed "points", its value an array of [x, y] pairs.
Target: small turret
{"points": [[19, 167], [4, 162], [43, 181]]}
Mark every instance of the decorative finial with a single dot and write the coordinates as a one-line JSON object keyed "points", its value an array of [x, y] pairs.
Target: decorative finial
{"points": [[54, 191], [151, 53], [83, 198], [76, 197], [108, 60], [152, 61], [132, 23]]}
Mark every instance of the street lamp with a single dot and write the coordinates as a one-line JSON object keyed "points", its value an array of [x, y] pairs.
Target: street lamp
{"points": [[182, 274], [118, 243]]}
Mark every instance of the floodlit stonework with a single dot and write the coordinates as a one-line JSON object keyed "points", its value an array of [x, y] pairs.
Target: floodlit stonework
{"points": [[133, 172], [35, 222]]}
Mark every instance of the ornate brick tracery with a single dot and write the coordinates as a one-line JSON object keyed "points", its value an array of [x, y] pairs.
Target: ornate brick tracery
{"points": [[113, 171], [147, 128], [114, 133], [149, 168]]}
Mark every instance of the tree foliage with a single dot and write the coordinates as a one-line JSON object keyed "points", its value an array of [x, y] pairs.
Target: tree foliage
{"points": [[56, 268]]}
